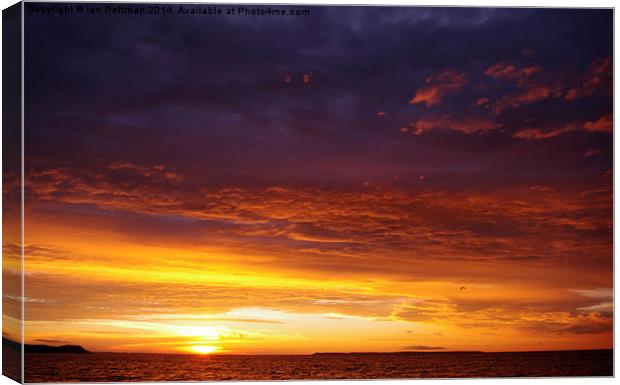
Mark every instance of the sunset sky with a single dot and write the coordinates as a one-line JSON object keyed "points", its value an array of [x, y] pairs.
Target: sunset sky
{"points": [[360, 179]]}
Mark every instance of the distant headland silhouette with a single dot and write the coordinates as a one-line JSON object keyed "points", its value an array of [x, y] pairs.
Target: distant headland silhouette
{"points": [[29, 348]]}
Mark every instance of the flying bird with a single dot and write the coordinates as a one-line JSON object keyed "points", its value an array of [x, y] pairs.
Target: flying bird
{"points": [[462, 288]]}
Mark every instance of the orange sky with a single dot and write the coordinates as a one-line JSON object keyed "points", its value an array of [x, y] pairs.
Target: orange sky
{"points": [[124, 283]]}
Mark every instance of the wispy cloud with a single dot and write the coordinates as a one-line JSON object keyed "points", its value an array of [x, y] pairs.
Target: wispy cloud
{"points": [[467, 126], [438, 86]]}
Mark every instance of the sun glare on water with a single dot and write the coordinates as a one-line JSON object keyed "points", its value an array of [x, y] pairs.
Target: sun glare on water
{"points": [[202, 349]]}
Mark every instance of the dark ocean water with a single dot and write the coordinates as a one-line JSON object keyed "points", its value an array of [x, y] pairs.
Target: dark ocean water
{"points": [[168, 367]]}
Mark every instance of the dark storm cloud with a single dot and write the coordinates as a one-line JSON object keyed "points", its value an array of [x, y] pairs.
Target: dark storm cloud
{"points": [[209, 96]]}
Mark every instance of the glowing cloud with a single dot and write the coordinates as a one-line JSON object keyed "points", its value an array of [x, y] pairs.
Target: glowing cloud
{"points": [[438, 86]]}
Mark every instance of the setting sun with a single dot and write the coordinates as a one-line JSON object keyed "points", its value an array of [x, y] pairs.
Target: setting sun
{"points": [[202, 349]]}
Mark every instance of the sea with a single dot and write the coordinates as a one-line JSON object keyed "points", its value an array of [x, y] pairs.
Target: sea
{"points": [[117, 367]]}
